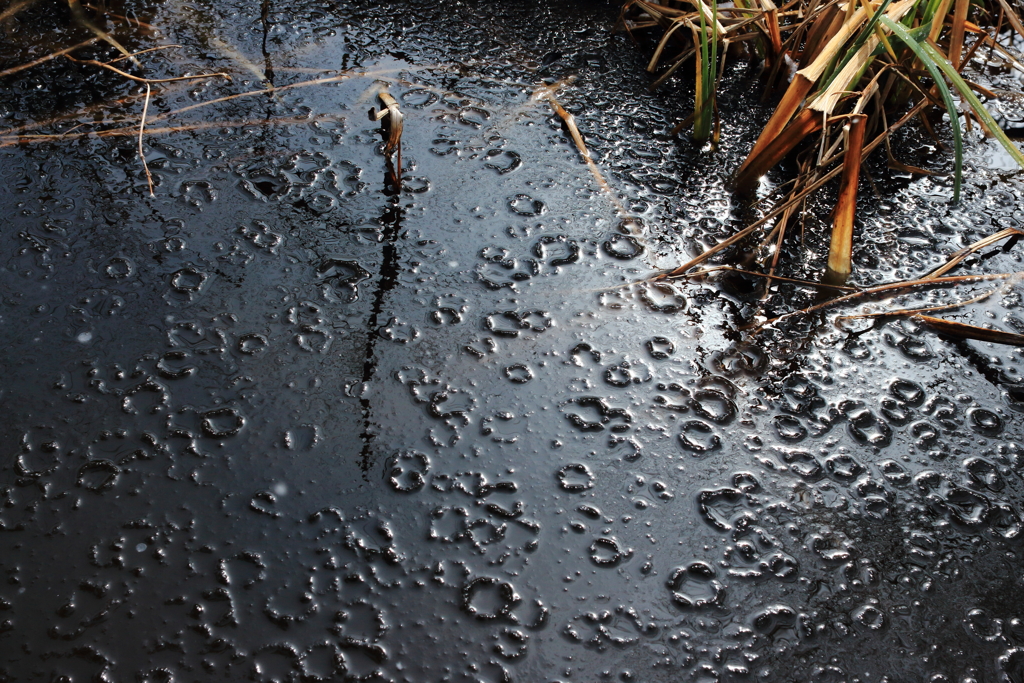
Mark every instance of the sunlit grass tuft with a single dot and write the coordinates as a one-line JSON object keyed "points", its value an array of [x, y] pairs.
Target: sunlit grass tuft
{"points": [[847, 74]]}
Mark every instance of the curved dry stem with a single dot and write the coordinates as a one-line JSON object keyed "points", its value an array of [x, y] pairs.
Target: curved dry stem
{"points": [[133, 131], [142, 154], [894, 287], [959, 256], [917, 311], [142, 52], [139, 79]]}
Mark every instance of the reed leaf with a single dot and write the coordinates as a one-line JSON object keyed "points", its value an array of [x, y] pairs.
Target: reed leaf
{"points": [[950, 328], [934, 69]]}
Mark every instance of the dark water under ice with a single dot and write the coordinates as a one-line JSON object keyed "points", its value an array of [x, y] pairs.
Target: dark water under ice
{"points": [[277, 423]]}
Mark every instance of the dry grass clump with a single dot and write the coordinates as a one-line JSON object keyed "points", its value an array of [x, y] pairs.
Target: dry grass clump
{"points": [[847, 74], [858, 69]]}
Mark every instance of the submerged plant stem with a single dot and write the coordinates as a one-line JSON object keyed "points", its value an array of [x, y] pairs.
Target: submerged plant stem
{"points": [[79, 14], [42, 60]]}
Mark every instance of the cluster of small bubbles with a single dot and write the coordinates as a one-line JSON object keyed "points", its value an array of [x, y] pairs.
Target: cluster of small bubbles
{"points": [[525, 205], [518, 373], [407, 471], [591, 413], [663, 297], [505, 267], [623, 247], [575, 478]]}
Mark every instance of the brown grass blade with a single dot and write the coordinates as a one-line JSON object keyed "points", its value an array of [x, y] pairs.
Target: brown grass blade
{"points": [[805, 124], [79, 14], [816, 68], [841, 82], [956, 36], [803, 82], [841, 249], [891, 289], [570, 124], [656, 57], [898, 165], [1012, 17], [950, 328], [771, 20], [823, 27], [905, 312], [827, 99], [660, 13], [960, 255], [791, 101], [939, 20]]}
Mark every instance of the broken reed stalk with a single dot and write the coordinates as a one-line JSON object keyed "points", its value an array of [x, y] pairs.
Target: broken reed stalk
{"points": [[577, 138], [952, 328], [570, 124], [841, 248], [806, 123], [855, 62], [392, 122]]}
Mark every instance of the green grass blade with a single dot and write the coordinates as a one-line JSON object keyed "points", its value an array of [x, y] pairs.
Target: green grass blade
{"points": [[711, 84], [703, 111], [972, 99], [857, 43], [954, 117], [929, 11]]}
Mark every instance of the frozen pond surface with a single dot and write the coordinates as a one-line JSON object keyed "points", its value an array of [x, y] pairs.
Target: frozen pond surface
{"points": [[277, 424]]}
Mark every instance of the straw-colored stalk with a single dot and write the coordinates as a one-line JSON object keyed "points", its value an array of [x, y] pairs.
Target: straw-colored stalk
{"points": [[840, 251]]}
